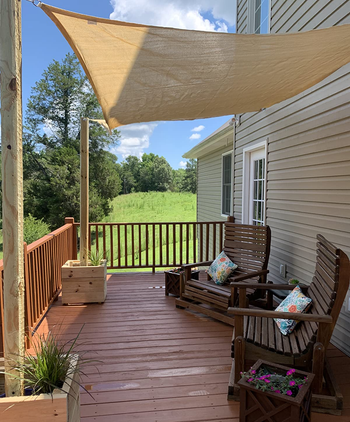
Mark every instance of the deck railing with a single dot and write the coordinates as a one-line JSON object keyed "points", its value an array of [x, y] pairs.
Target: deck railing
{"points": [[156, 245], [125, 245], [43, 260]]}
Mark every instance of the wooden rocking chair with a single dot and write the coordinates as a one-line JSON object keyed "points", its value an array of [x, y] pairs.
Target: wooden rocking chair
{"points": [[248, 247], [257, 336]]}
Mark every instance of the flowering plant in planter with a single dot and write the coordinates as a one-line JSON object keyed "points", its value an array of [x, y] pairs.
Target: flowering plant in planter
{"points": [[266, 380]]}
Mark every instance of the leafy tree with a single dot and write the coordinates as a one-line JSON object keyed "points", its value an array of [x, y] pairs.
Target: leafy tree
{"points": [[52, 147], [178, 180], [190, 177]]}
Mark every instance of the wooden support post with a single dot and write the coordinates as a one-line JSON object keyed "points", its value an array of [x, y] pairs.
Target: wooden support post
{"points": [[84, 191], [12, 188]]}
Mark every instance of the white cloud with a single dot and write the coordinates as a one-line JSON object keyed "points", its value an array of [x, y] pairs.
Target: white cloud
{"points": [[182, 164], [184, 14], [134, 139], [195, 136], [198, 128]]}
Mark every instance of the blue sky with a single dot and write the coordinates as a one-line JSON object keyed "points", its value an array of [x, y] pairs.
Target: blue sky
{"points": [[43, 43]]}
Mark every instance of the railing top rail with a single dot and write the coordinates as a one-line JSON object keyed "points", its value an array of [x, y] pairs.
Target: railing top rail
{"points": [[48, 237], [150, 223]]}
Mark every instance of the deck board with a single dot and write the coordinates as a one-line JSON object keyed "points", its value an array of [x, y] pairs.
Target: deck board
{"points": [[156, 362]]}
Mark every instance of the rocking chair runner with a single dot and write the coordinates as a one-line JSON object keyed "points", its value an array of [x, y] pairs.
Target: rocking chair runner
{"points": [[257, 335], [248, 247]]}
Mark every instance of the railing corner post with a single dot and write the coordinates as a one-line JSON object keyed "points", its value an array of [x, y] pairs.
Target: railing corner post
{"points": [[74, 240], [28, 313], [230, 219]]}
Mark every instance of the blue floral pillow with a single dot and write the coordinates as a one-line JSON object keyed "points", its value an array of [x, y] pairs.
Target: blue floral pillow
{"points": [[221, 269], [295, 302]]}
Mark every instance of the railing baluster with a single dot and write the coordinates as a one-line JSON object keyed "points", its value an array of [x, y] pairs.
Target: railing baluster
{"points": [[160, 245], [104, 241], [194, 242], [167, 245], [89, 238], [207, 242], [132, 245], [174, 245], [154, 247], [201, 242], [214, 241], [119, 248], [96, 234], [126, 246], [181, 243], [147, 244], [221, 237], [187, 243], [140, 246], [111, 244]]}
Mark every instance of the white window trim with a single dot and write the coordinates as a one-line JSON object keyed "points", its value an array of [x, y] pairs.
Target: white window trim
{"points": [[222, 171], [251, 15], [246, 179]]}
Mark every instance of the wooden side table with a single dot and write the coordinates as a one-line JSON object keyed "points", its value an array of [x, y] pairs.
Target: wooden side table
{"points": [[172, 281]]}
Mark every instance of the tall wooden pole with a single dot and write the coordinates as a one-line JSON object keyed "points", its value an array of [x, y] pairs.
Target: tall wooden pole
{"points": [[84, 191], [12, 187]]}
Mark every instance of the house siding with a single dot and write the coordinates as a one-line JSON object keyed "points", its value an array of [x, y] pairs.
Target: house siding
{"points": [[209, 190], [308, 171]]}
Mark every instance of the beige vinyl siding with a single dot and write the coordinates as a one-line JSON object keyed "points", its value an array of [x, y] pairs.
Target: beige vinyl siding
{"points": [[308, 179], [209, 189], [242, 16]]}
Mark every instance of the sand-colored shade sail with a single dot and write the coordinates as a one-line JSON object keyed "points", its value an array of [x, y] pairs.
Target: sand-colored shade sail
{"points": [[145, 73]]}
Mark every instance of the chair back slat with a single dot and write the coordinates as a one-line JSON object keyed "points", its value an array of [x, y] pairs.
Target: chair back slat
{"points": [[328, 288], [248, 246]]}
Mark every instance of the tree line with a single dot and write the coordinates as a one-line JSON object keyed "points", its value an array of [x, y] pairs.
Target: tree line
{"points": [[51, 153]]}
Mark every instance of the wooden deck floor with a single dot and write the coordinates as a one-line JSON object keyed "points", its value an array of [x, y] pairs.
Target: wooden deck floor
{"points": [[157, 363]]}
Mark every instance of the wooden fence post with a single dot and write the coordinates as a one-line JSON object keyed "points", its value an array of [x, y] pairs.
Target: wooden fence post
{"points": [[12, 188], [84, 191], [74, 240]]}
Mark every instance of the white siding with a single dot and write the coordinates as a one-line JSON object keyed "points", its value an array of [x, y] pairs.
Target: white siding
{"points": [[308, 188]]}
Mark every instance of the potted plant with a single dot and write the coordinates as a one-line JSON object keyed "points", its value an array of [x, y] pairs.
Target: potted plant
{"points": [[293, 281], [51, 381], [85, 283], [275, 392]]}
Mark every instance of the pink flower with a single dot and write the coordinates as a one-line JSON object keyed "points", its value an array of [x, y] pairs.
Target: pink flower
{"points": [[291, 371], [253, 371], [251, 379], [278, 391], [292, 383], [266, 380], [272, 389], [300, 385], [289, 393]]}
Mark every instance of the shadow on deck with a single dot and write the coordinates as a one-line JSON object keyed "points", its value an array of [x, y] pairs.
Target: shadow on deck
{"points": [[156, 362]]}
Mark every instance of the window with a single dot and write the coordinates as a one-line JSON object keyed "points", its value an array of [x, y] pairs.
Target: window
{"points": [[259, 14], [226, 184], [257, 188], [254, 185]]}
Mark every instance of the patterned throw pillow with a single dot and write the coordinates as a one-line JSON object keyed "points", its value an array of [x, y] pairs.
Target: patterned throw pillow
{"points": [[221, 269], [295, 302]]}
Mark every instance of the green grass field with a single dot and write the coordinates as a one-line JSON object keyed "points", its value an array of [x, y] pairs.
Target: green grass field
{"points": [[153, 207], [147, 208]]}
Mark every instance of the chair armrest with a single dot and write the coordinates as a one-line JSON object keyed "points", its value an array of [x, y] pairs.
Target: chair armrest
{"points": [[267, 286], [197, 264], [234, 280], [282, 315]]}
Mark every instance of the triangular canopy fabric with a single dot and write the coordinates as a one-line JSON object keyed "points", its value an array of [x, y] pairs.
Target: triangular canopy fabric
{"points": [[144, 73]]}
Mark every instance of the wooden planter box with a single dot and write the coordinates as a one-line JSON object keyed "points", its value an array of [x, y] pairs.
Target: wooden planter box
{"points": [[265, 406], [59, 407], [172, 281], [84, 284]]}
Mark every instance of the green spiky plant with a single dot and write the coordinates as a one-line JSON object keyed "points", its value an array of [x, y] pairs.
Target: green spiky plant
{"points": [[96, 257], [293, 281], [49, 364]]}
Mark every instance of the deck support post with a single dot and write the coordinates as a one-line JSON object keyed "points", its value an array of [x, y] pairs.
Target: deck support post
{"points": [[84, 191], [12, 189]]}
